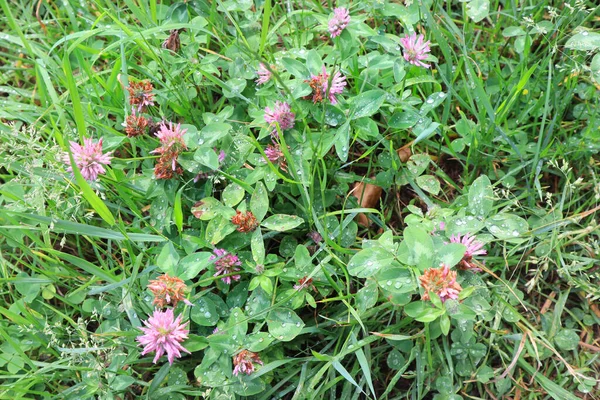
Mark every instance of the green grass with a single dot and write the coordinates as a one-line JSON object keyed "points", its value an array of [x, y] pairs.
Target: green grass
{"points": [[519, 106]]}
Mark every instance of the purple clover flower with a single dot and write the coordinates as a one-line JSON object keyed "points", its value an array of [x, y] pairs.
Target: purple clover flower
{"points": [[263, 74], [163, 334], [226, 263], [415, 49], [88, 158], [282, 114], [339, 21], [474, 248]]}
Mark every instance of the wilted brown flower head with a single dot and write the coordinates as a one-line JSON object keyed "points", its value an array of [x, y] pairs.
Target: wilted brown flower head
{"points": [[171, 144], [171, 138], [304, 283], [244, 362], [442, 282], [167, 289], [140, 94], [135, 125], [246, 222], [322, 87], [315, 236], [172, 42], [166, 167]]}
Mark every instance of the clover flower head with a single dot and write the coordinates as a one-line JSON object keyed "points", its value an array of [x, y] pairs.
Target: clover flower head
{"points": [[415, 49], [246, 222], [163, 334], [225, 264], [140, 94], [273, 152], [244, 361], [276, 156], [282, 114], [167, 290], [263, 74], [89, 158], [441, 281], [166, 167], [135, 125], [171, 138], [171, 144], [339, 21], [474, 248], [321, 86]]}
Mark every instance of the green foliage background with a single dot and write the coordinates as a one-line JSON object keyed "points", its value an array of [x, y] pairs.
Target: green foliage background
{"points": [[503, 138]]}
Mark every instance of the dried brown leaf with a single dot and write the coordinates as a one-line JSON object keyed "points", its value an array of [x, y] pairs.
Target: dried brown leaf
{"points": [[404, 153], [368, 196]]}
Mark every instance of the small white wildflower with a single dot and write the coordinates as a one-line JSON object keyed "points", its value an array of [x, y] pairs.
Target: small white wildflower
{"points": [[541, 29], [529, 22], [549, 199], [581, 5]]}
